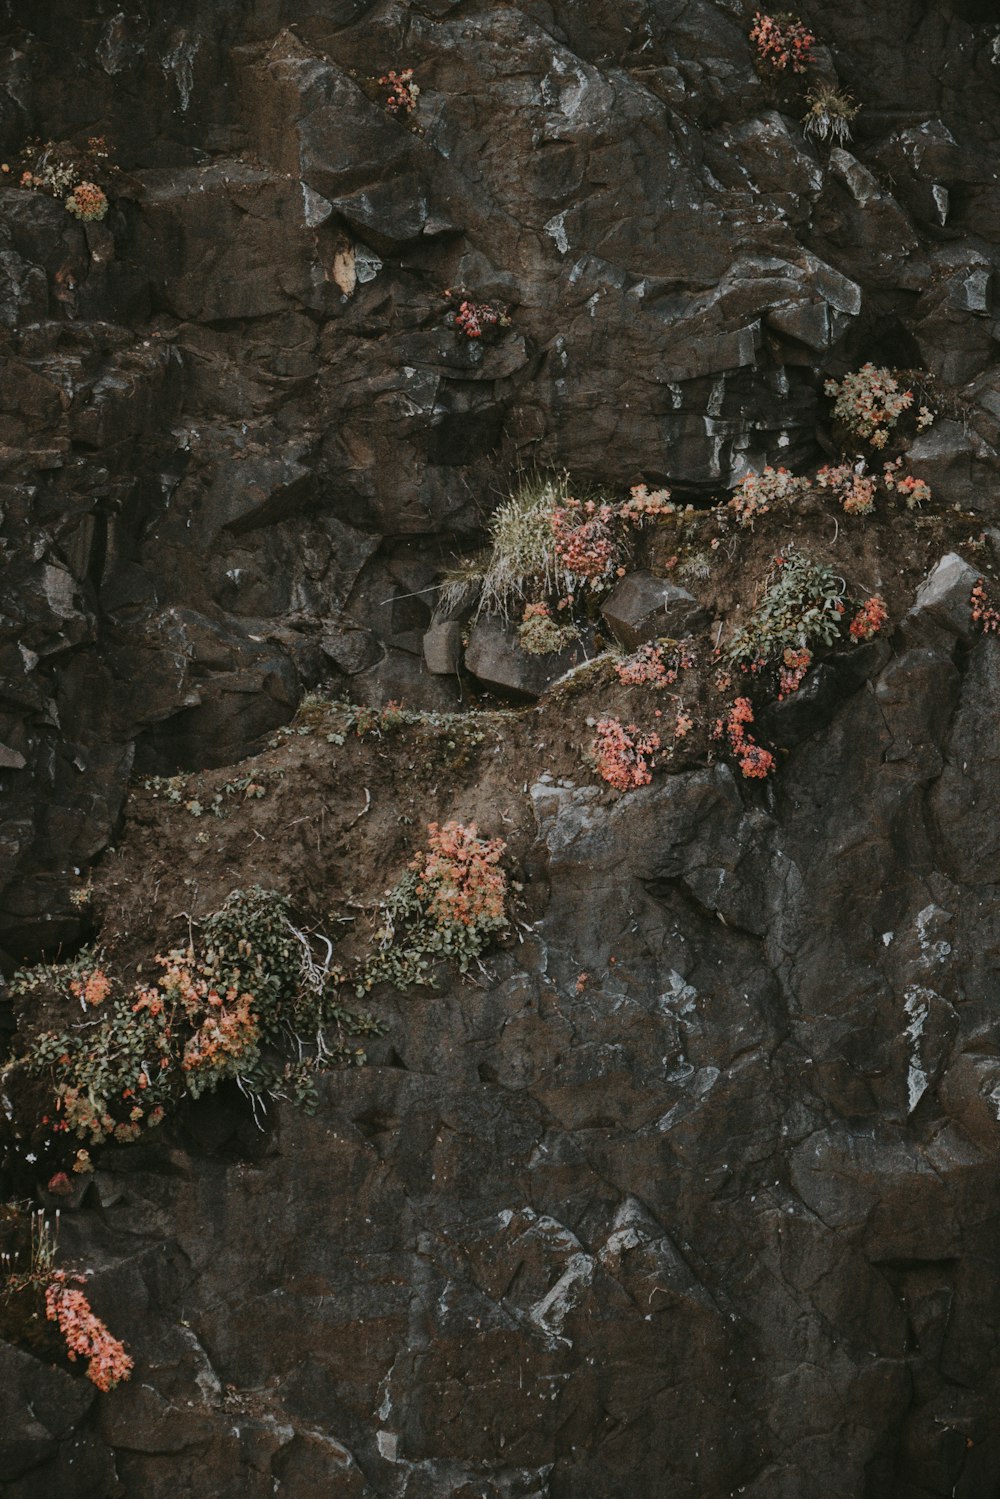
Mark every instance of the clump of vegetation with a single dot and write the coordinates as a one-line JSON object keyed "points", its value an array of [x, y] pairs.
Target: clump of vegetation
{"points": [[523, 561], [622, 754], [26, 1289], [783, 42], [869, 402], [802, 606], [450, 903], [830, 113], [62, 170], [248, 1001], [541, 635]]}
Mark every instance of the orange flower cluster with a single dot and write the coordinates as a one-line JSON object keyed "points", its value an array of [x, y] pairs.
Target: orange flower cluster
{"points": [[854, 490], [92, 988], [754, 761], [983, 612], [459, 880], [869, 619], [782, 42], [86, 1335], [622, 754], [87, 202]]}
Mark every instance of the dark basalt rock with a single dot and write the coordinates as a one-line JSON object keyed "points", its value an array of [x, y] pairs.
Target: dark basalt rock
{"points": [[723, 1219], [642, 607]]}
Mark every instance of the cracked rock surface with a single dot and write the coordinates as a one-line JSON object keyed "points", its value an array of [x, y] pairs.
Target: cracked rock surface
{"points": [[696, 1192]]}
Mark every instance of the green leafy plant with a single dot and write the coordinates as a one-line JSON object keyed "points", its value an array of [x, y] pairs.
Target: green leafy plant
{"points": [[802, 606], [249, 1001]]}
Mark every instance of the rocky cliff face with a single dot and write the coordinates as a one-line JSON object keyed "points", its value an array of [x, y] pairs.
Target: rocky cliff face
{"points": [[721, 1220]]}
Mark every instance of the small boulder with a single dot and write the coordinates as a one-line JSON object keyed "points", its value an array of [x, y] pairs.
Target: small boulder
{"points": [[943, 598], [643, 607], [494, 655], [443, 648]]}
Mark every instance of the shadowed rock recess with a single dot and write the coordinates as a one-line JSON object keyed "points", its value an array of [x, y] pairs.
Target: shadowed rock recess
{"points": [[693, 1190]]}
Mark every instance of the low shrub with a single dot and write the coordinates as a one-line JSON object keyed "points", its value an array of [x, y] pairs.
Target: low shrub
{"points": [[248, 1002]]}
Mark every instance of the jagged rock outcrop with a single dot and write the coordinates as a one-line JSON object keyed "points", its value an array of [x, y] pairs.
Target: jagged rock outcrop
{"points": [[244, 395]]}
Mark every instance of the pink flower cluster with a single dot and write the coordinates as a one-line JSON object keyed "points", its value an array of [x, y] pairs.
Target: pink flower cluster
{"points": [[459, 878], [983, 612], [758, 492], [869, 619], [869, 402], [403, 92], [852, 487], [782, 42], [475, 318], [584, 543], [647, 666], [85, 1334], [754, 761], [622, 754], [794, 666], [644, 668]]}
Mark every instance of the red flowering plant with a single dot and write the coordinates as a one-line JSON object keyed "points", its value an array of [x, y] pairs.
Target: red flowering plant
{"points": [[622, 754], [248, 1003], [401, 91], [783, 43], [983, 612], [754, 762], [449, 903], [869, 619], [485, 320], [26, 1287]]}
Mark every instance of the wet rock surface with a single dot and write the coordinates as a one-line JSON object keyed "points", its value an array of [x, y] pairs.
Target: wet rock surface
{"points": [[699, 1193]]}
